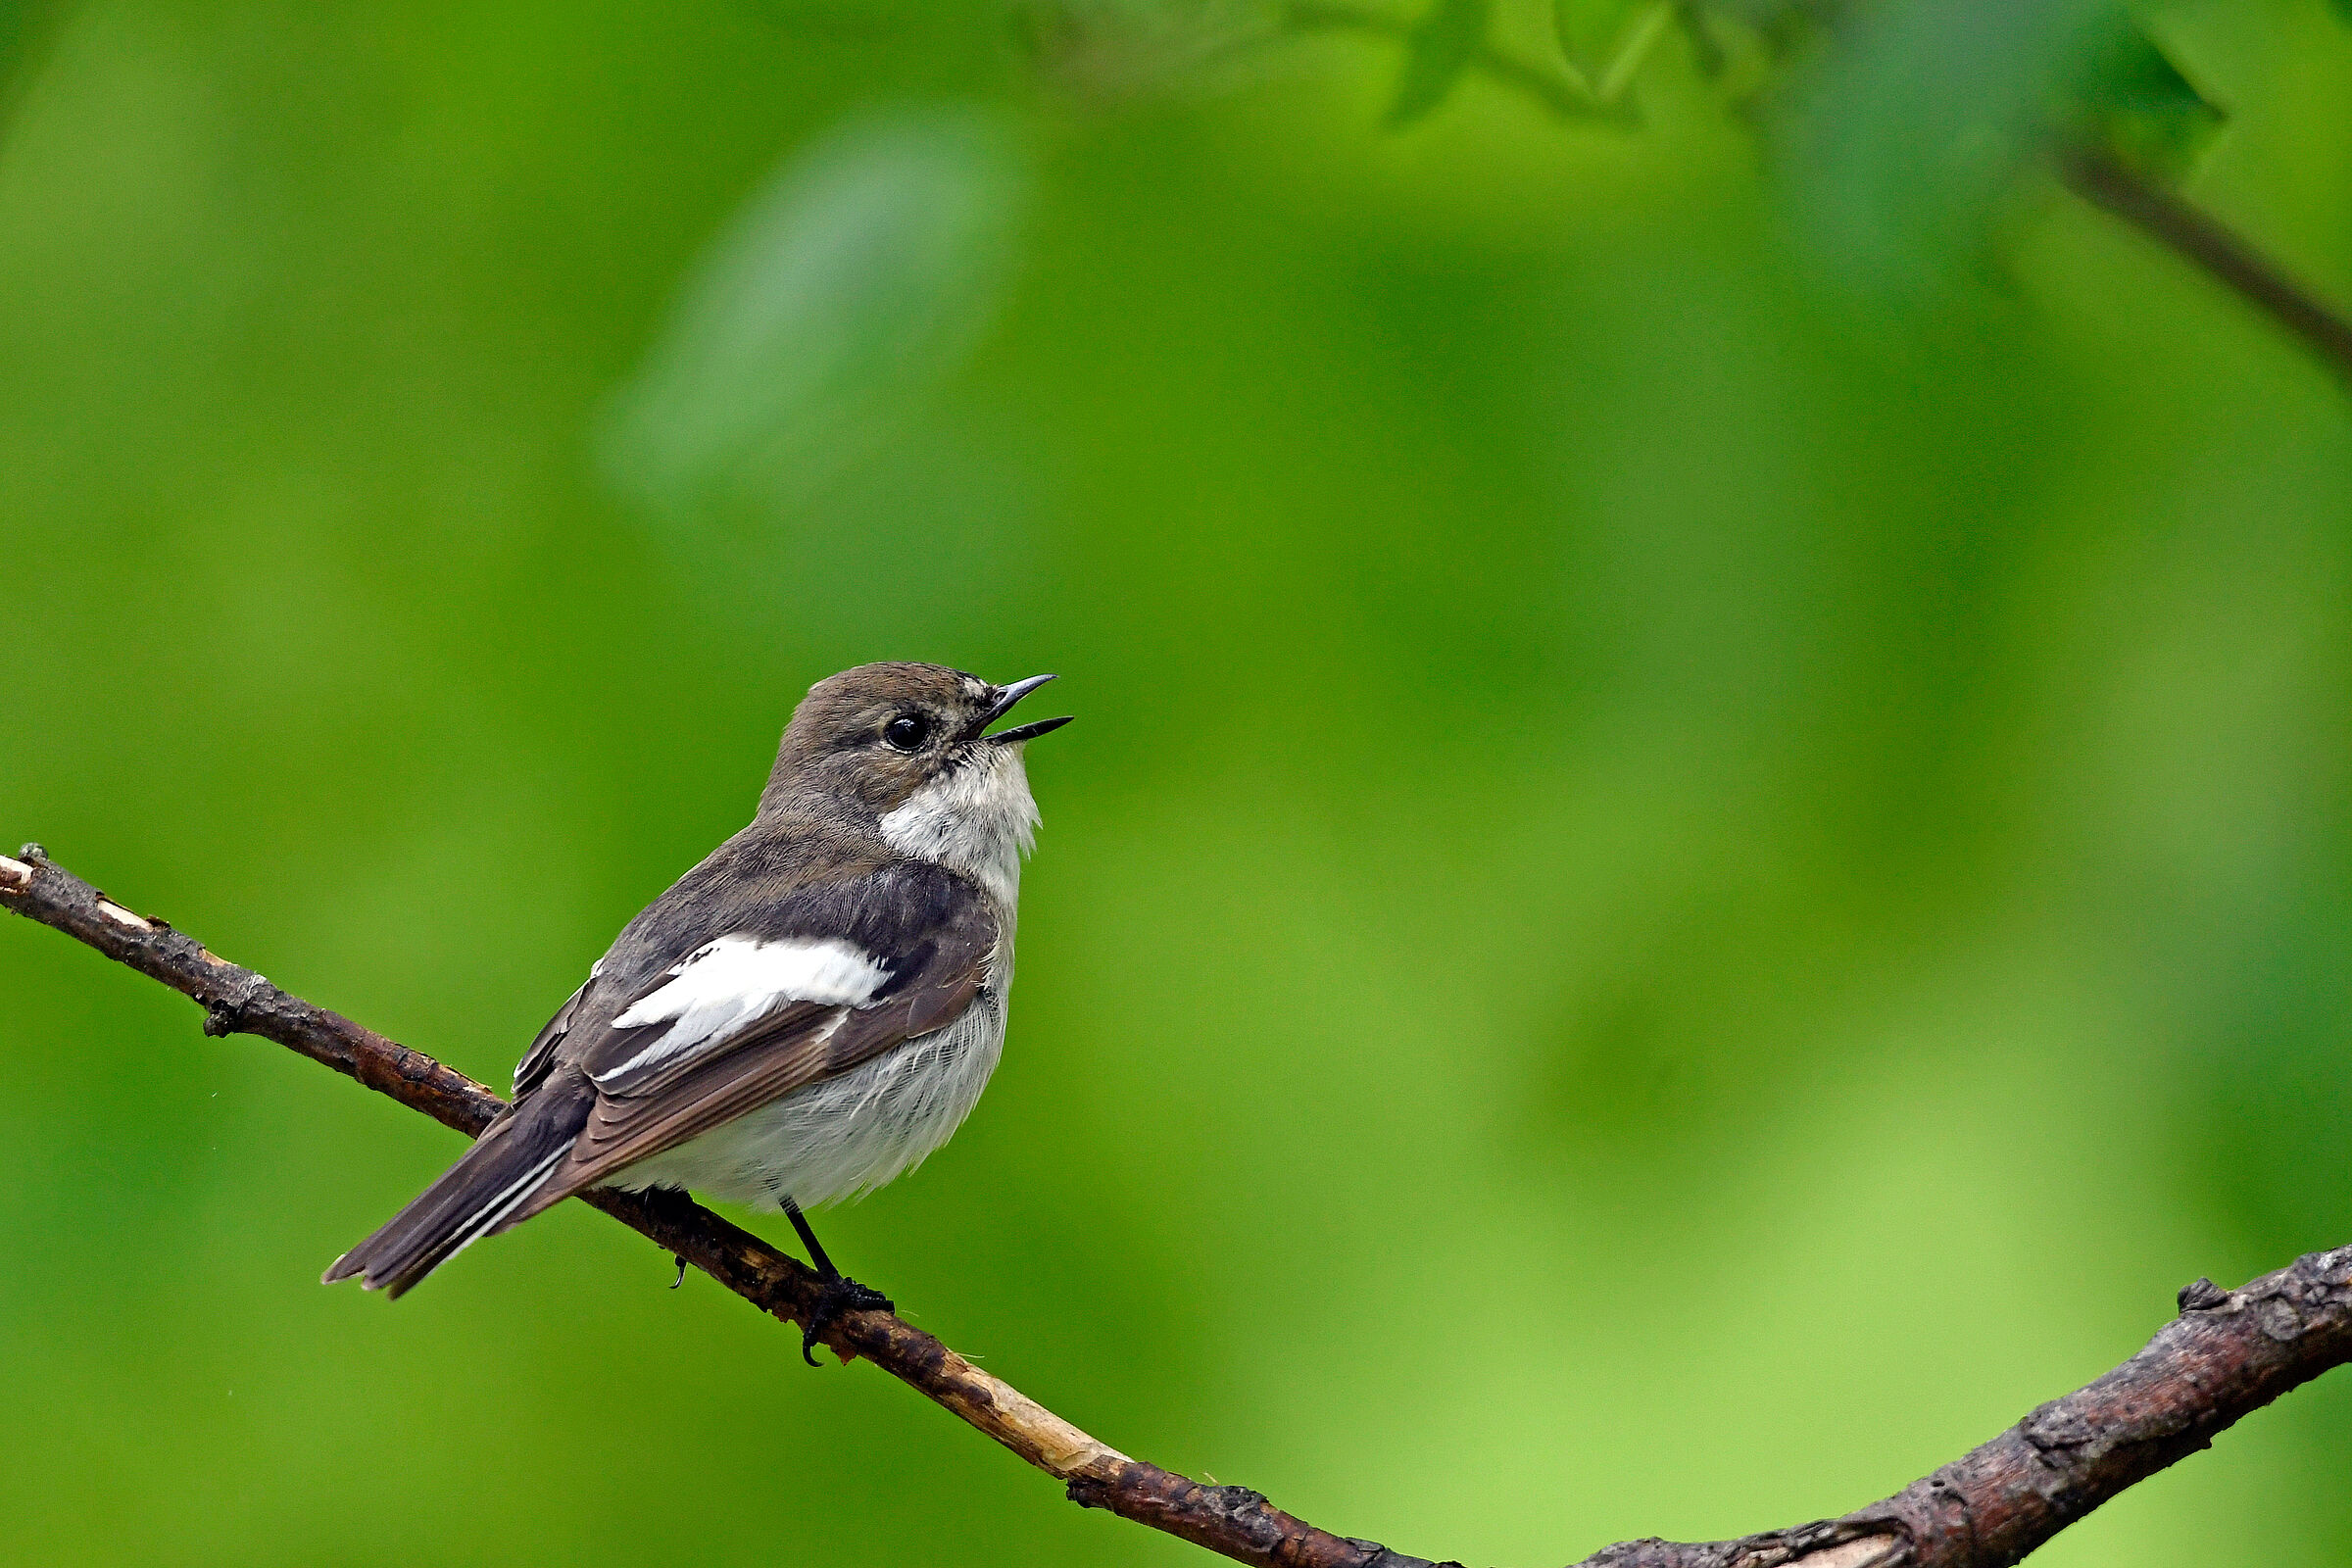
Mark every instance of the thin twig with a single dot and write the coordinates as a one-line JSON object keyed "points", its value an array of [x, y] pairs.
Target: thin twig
{"points": [[1232, 1520], [2225, 255], [2227, 1354]]}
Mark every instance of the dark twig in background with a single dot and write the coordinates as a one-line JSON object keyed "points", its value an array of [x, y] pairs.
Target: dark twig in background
{"points": [[2209, 244], [2229, 1353], [2095, 174]]}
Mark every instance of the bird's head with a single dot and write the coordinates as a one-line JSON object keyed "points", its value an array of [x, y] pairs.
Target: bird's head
{"points": [[909, 747]]}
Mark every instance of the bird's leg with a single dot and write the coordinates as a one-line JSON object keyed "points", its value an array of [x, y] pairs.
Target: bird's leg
{"points": [[816, 1250], [676, 1203], [840, 1295]]}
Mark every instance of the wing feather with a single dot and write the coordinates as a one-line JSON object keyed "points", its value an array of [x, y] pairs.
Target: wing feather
{"points": [[531, 1071], [674, 1097]]}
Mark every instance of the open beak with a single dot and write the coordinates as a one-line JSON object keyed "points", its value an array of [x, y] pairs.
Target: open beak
{"points": [[1006, 696]]}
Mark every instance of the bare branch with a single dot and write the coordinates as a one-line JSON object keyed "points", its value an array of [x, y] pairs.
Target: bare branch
{"points": [[2227, 1354], [1232, 1520], [2205, 241]]}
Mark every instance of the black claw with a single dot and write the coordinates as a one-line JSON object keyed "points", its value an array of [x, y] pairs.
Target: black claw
{"points": [[682, 1275], [840, 1295]]}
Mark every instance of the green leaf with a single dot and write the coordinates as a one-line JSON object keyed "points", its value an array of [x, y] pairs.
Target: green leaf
{"points": [[1918, 116], [1566, 25], [2133, 100], [1634, 45], [1440, 48], [1603, 47], [814, 327]]}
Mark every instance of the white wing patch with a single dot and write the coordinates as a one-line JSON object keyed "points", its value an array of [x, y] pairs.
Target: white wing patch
{"points": [[724, 986]]}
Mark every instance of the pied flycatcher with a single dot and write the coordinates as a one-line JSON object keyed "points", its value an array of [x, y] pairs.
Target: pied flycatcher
{"points": [[800, 1018]]}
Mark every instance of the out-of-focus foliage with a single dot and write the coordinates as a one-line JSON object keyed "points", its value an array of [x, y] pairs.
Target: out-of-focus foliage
{"points": [[1439, 50], [1706, 850], [813, 329], [2129, 96], [1923, 118]]}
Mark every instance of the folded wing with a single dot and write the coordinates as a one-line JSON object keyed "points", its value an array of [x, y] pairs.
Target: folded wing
{"points": [[744, 1021], [808, 987]]}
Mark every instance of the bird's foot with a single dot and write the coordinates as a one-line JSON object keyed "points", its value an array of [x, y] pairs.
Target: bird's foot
{"points": [[840, 1295]]}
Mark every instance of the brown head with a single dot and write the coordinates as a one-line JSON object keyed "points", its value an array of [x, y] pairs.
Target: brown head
{"points": [[872, 738]]}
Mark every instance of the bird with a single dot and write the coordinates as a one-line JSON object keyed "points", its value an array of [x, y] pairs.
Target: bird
{"points": [[802, 1017]]}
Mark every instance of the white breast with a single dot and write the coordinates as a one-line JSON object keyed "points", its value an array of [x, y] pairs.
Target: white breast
{"points": [[847, 1135], [979, 820]]}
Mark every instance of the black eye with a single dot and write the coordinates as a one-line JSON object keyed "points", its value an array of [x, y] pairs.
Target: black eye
{"points": [[908, 732]]}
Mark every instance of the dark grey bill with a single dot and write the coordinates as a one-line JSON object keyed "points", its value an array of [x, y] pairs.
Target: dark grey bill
{"points": [[1031, 731], [1006, 696]]}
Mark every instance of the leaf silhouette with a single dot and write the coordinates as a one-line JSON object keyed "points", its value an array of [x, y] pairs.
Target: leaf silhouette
{"points": [[813, 325], [2135, 101], [1441, 46]]}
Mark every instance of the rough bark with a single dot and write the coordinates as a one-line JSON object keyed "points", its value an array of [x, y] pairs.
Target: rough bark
{"points": [[1232, 1520], [2229, 1353]]}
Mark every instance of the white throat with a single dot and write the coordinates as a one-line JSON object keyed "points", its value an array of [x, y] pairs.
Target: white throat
{"points": [[978, 820]]}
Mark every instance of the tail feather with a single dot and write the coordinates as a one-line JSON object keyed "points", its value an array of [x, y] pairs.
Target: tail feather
{"points": [[506, 1167]]}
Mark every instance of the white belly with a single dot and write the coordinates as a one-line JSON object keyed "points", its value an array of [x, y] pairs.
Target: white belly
{"points": [[845, 1136]]}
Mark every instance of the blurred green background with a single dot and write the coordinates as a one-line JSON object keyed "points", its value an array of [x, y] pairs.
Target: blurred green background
{"points": [[1706, 850]]}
